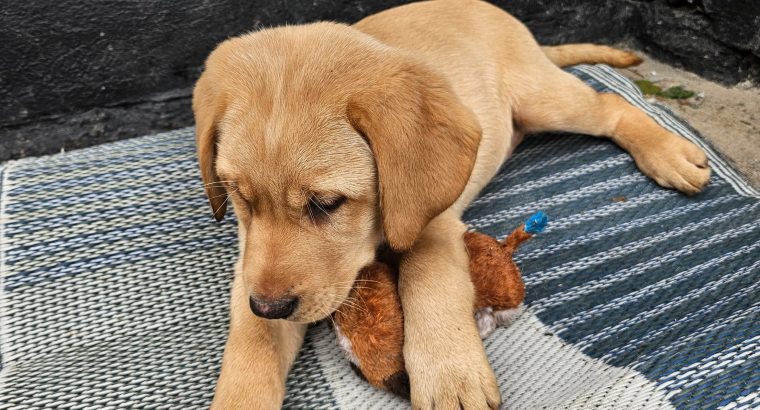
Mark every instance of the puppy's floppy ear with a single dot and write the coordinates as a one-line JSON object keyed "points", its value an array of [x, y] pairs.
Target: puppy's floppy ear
{"points": [[207, 108], [424, 140]]}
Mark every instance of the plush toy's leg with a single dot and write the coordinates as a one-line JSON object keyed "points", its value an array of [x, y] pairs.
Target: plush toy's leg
{"points": [[517, 237], [486, 322], [348, 347], [488, 319], [535, 224], [508, 316]]}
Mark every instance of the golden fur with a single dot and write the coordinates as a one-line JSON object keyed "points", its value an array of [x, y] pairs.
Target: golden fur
{"points": [[407, 114]]}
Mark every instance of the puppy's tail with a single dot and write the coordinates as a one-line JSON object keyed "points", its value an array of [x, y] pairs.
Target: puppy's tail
{"points": [[571, 54]]}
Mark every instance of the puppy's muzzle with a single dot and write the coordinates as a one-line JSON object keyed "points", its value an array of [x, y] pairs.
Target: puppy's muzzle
{"points": [[273, 308]]}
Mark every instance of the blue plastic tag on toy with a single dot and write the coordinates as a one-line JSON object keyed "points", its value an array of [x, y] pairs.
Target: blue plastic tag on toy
{"points": [[536, 223]]}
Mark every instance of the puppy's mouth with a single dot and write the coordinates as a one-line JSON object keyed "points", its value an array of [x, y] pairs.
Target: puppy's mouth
{"points": [[327, 302], [321, 305], [311, 314], [313, 305]]}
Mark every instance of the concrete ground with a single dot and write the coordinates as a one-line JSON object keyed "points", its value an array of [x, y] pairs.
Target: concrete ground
{"points": [[729, 117]]}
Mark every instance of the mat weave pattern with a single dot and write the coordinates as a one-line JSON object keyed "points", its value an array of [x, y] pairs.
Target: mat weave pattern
{"points": [[115, 282]]}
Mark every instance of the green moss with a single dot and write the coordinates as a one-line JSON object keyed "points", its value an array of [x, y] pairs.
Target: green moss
{"points": [[648, 88], [674, 93], [677, 93]]}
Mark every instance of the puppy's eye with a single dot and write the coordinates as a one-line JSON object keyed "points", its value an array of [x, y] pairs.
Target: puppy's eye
{"points": [[321, 206]]}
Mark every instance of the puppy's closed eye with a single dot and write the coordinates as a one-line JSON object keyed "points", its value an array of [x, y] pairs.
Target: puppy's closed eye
{"points": [[321, 207]]}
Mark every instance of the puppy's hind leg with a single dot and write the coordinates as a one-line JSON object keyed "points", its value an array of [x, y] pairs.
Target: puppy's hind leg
{"points": [[571, 54], [561, 102]]}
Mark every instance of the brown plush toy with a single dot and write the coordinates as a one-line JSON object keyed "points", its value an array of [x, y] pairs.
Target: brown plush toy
{"points": [[370, 325]]}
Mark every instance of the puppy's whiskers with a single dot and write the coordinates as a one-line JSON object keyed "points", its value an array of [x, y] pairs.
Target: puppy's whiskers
{"points": [[329, 316], [367, 280], [225, 202], [351, 301], [354, 304], [308, 208], [227, 194], [327, 214], [219, 183]]}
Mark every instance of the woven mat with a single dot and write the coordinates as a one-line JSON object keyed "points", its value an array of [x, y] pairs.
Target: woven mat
{"points": [[115, 282]]}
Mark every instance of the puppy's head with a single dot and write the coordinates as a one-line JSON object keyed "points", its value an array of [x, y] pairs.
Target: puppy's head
{"points": [[326, 142]]}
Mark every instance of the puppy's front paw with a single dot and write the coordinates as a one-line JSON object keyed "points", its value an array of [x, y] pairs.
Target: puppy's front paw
{"points": [[674, 162], [449, 374]]}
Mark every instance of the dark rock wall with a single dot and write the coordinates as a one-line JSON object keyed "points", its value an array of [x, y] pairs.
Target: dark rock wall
{"points": [[75, 73], [718, 39]]}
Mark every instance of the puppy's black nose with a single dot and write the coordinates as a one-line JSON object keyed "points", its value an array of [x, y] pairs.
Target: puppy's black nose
{"points": [[273, 308]]}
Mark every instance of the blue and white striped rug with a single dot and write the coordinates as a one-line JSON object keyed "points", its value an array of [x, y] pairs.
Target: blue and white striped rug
{"points": [[115, 282]]}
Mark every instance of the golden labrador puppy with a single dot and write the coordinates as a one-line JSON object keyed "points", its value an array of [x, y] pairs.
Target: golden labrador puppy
{"points": [[332, 139]]}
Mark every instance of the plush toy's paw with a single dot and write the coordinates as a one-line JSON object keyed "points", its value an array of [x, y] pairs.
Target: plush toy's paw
{"points": [[508, 316], [486, 322], [488, 319], [345, 344]]}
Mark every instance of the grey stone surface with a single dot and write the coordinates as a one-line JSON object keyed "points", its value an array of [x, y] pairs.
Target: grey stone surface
{"points": [[77, 73]]}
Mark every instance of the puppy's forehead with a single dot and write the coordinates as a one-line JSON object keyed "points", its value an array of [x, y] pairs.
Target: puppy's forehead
{"points": [[307, 150], [284, 120]]}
